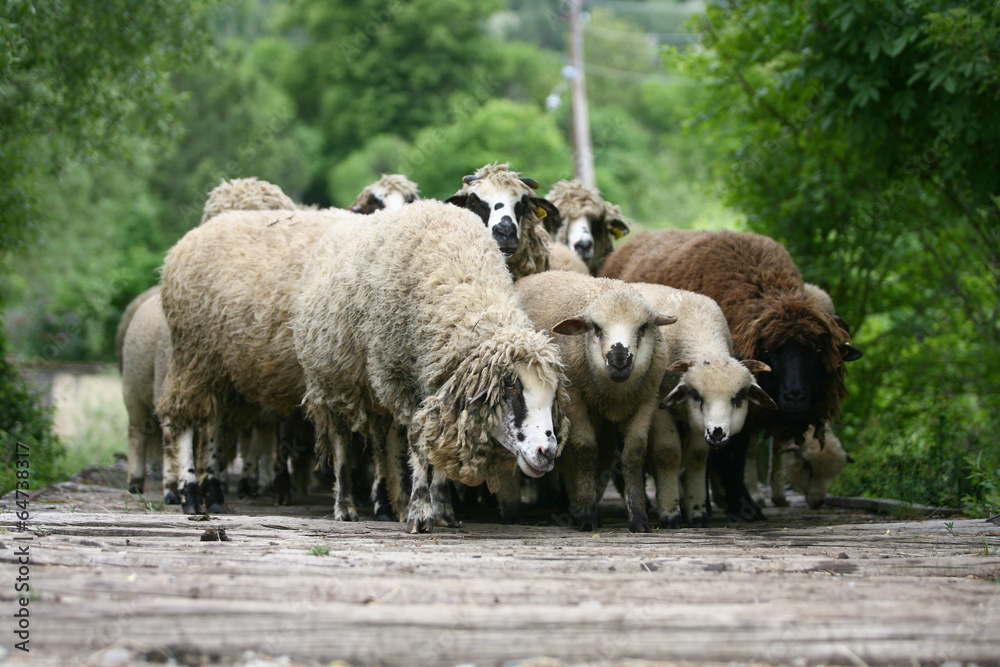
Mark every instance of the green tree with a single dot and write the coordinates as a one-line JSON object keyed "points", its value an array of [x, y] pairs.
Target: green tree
{"points": [[862, 135]]}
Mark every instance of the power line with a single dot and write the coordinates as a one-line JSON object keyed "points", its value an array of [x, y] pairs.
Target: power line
{"points": [[664, 37]]}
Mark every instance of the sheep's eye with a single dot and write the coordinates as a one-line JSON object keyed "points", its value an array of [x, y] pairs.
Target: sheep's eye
{"points": [[740, 396], [642, 330], [695, 396], [512, 386], [598, 331]]}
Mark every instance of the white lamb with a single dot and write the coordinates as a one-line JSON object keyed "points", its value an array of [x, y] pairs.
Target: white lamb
{"points": [[708, 392], [615, 359]]}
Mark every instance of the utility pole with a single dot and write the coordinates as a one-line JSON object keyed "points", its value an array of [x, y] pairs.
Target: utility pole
{"points": [[583, 152]]}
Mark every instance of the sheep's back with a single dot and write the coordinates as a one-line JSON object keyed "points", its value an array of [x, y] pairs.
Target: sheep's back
{"points": [[228, 287]]}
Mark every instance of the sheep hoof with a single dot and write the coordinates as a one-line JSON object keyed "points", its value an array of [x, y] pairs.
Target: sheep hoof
{"points": [[385, 514], [448, 518], [588, 519], [191, 499], [135, 486], [170, 495], [248, 488], [282, 488], [212, 492], [701, 521], [780, 501], [345, 514], [639, 524], [418, 525], [670, 522], [745, 510]]}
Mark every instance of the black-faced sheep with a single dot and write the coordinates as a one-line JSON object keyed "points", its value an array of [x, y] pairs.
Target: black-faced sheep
{"points": [[615, 359], [709, 394], [228, 288], [760, 290], [391, 192], [413, 316], [506, 204], [589, 224]]}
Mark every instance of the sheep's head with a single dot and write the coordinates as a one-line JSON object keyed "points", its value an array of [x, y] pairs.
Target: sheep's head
{"points": [[812, 466], [717, 393], [803, 345], [590, 224], [620, 329], [391, 192], [505, 202]]}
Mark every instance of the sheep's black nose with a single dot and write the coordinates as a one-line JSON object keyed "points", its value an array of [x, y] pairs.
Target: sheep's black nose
{"points": [[505, 234], [584, 248], [717, 436], [619, 363]]}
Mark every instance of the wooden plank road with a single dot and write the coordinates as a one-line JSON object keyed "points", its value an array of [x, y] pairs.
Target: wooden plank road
{"points": [[116, 581]]}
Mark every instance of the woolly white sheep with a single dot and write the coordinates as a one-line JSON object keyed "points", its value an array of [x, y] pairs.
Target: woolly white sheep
{"points": [[506, 204], [590, 225], [707, 390], [228, 287], [413, 316], [245, 194], [391, 192], [615, 359]]}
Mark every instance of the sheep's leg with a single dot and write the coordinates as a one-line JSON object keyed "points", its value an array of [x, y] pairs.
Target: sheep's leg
{"points": [[444, 512], [665, 460], [582, 470], [777, 477], [397, 478], [277, 440], [249, 485], [179, 448], [421, 512], [751, 479], [505, 483], [381, 504], [695, 462], [169, 465], [139, 423], [213, 467], [343, 509], [633, 459], [729, 463]]}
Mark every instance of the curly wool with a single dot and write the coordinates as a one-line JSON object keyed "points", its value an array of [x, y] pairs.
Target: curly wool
{"points": [[759, 288], [532, 254], [383, 186], [576, 200], [414, 318], [126, 321], [245, 194]]}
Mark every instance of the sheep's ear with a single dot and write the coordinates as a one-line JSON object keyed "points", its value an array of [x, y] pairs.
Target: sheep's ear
{"points": [[678, 395], [530, 182], [755, 366], [470, 178], [572, 326], [457, 200], [547, 212], [760, 397], [618, 228], [680, 366], [663, 320], [842, 323], [849, 353]]}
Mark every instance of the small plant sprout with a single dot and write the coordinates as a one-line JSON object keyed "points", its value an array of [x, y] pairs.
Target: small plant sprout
{"points": [[950, 527], [320, 550]]}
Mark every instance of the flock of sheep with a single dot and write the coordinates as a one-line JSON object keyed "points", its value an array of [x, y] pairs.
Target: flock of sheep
{"points": [[422, 345]]}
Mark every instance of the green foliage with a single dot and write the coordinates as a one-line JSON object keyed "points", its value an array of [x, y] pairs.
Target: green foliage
{"points": [[24, 421], [861, 135], [985, 474]]}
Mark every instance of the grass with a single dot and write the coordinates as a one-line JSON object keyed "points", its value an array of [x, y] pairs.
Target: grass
{"points": [[319, 551]]}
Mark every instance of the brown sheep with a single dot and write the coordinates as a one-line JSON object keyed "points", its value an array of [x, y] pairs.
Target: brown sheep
{"points": [[772, 319]]}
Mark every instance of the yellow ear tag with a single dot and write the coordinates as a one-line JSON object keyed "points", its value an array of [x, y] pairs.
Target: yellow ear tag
{"points": [[540, 212], [617, 233]]}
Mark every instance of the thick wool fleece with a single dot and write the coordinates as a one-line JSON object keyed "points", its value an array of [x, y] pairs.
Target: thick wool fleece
{"points": [[562, 258], [575, 200], [126, 320], [417, 317], [759, 288], [245, 194], [228, 288], [382, 187]]}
